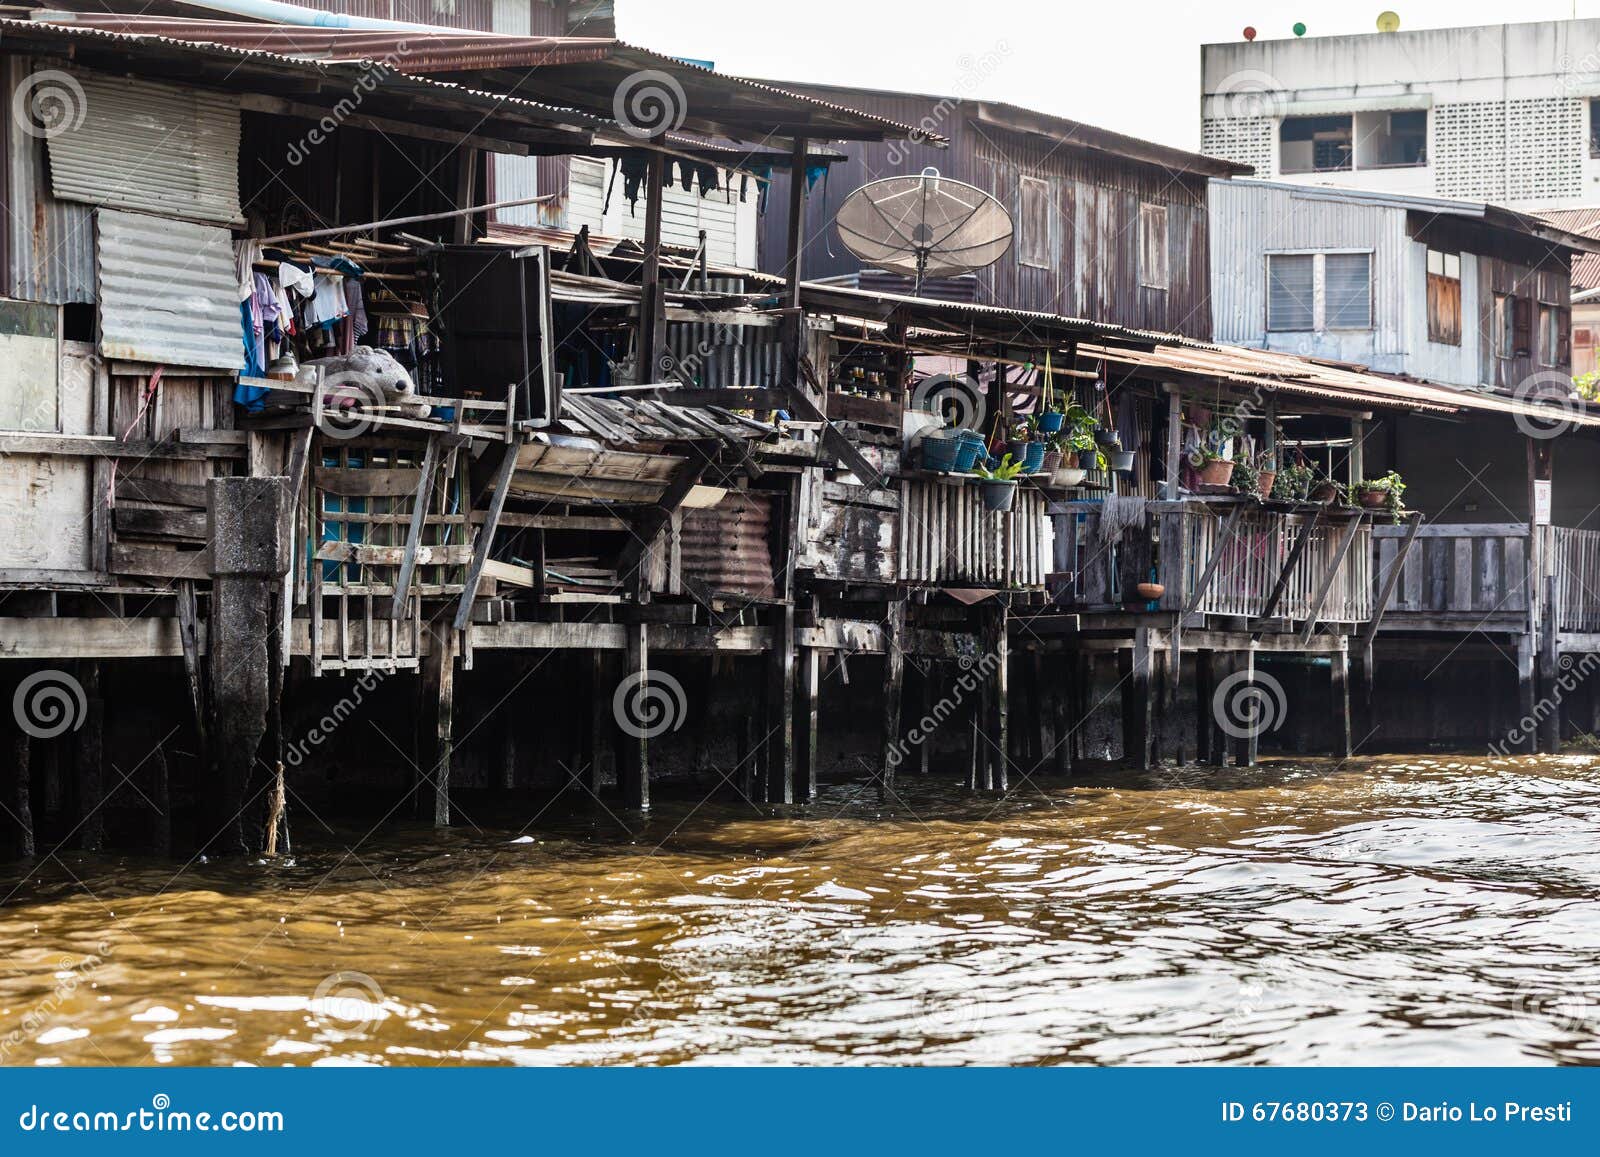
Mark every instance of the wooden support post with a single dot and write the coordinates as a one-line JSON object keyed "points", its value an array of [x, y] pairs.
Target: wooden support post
{"points": [[466, 191], [1137, 702], [780, 708], [1174, 442], [926, 684], [1550, 669], [1252, 742], [894, 674], [1362, 714], [1067, 723], [650, 344], [89, 759], [600, 748], [997, 644], [486, 532], [1357, 459], [633, 764], [806, 734], [437, 714], [1339, 685], [20, 805], [1210, 744], [1527, 693], [161, 797]]}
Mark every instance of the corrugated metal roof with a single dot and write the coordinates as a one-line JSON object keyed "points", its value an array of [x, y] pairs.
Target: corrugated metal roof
{"points": [[746, 101], [152, 148], [168, 292], [1585, 266]]}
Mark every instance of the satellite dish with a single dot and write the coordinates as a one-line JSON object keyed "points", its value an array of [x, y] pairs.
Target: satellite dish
{"points": [[927, 226]]}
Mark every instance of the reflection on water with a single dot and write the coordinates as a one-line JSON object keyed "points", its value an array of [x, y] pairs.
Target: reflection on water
{"points": [[1392, 911]]}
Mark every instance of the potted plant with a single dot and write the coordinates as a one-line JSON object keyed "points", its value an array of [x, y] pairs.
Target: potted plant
{"points": [[1246, 480], [1324, 491], [1293, 482], [1266, 473], [1051, 419], [1214, 469], [1055, 449], [1384, 492], [998, 486]]}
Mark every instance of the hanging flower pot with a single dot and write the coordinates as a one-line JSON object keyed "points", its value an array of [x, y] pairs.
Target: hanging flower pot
{"points": [[1217, 471], [997, 494], [1265, 479], [1121, 461], [1323, 492], [1051, 421], [1088, 460]]}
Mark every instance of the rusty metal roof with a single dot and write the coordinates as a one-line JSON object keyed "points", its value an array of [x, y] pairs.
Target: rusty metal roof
{"points": [[590, 73], [1585, 266], [629, 419]]}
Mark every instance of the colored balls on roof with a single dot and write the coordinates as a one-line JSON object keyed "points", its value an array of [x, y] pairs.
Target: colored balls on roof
{"points": [[1388, 22], [1299, 29], [1250, 32]]}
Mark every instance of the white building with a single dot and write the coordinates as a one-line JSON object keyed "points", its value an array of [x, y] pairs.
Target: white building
{"points": [[1506, 113]]}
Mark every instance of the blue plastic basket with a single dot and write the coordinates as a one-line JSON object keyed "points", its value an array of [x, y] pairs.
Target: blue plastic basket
{"points": [[1033, 460], [939, 450], [1051, 421], [969, 446]]}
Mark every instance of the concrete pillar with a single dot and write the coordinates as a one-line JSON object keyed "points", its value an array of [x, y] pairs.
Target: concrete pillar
{"points": [[249, 557]]}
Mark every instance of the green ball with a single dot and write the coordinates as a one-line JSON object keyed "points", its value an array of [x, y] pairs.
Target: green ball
{"points": [[1299, 29]]}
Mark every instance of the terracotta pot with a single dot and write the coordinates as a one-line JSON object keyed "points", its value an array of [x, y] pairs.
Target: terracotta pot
{"points": [[1151, 591], [1372, 499], [1323, 492], [1264, 481], [1217, 472]]}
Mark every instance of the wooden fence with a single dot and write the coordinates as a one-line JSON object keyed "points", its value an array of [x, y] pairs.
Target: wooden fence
{"points": [[1456, 573]]}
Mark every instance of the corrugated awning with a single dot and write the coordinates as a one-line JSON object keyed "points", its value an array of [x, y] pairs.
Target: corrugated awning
{"points": [[168, 292]]}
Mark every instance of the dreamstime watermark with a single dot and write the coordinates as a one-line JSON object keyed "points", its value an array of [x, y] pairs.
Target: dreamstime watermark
{"points": [[1550, 391], [958, 400], [972, 677], [1572, 672], [333, 718], [48, 704], [973, 70], [49, 103], [69, 977], [349, 406], [1247, 705], [1537, 1007], [649, 103], [649, 703], [350, 1001], [1249, 94], [373, 73]]}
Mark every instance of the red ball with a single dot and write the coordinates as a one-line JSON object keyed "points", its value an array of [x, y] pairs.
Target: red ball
{"points": [[1249, 32]]}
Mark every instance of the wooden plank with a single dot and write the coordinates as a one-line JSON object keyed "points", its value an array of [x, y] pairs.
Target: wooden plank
{"points": [[149, 522], [1461, 574], [1390, 580], [357, 483], [419, 513], [1347, 541], [164, 562], [161, 491], [450, 554], [485, 538]]}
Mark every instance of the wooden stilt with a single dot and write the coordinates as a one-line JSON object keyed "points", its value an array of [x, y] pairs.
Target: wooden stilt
{"points": [[1339, 686], [600, 747], [1549, 660], [437, 715], [633, 767], [1527, 693], [89, 759], [809, 687], [21, 803], [1066, 719], [927, 683], [1209, 744], [1252, 742], [1136, 703], [997, 644], [894, 673], [161, 796], [780, 706]]}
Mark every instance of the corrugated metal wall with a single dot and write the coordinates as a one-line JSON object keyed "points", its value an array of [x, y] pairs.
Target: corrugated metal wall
{"points": [[49, 245], [168, 292], [720, 357], [152, 148], [728, 547], [1250, 220]]}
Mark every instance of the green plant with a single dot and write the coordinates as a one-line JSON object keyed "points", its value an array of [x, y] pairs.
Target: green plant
{"points": [[1079, 441], [1006, 471], [1245, 479], [1391, 486], [1294, 482], [1202, 454]]}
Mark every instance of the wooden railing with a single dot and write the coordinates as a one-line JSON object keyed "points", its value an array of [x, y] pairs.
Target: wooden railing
{"points": [[1571, 561], [1214, 561], [1456, 573], [947, 537]]}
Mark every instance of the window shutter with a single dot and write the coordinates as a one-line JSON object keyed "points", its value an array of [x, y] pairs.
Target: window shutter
{"points": [[1153, 245], [1564, 337], [1521, 326], [1291, 291], [1033, 234], [1348, 290]]}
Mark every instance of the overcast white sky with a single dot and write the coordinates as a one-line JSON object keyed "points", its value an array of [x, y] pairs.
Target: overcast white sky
{"points": [[1128, 65]]}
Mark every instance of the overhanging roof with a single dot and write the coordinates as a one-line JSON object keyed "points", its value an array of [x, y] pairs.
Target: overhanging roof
{"points": [[589, 73]]}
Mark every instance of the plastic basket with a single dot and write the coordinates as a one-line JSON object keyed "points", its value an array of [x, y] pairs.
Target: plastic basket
{"points": [[969, 447], [1033, 460], [939, 450]]}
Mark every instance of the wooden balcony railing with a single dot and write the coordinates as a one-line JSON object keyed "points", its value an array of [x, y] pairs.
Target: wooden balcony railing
{"points": [[1460, 574], [1571, 561], [1233, 559]]}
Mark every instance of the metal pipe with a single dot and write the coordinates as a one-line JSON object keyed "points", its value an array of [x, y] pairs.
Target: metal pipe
{"points": [[394, 221]]}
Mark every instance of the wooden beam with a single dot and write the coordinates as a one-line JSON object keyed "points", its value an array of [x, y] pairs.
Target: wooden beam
{"points": [[422, 495], [894, 675], [633, 764], [1391, 581], [480, 549], [1289, 563], [1230, 526]]}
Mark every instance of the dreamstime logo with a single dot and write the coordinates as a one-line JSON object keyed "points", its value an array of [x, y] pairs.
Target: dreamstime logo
{"points": [[648, 103], [48, 104], [1249, 94], [1536, 1008], [350, 406], [349, 1000], [648, 704], [958, 400], [373, 73], [69, 977], [48, 704], [1551, 391], [1571, 674], [1244, 707], [973, 70]]}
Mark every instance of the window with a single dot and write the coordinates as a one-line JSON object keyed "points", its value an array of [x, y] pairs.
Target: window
{"points": [[1319, 291], [1153, 245], [1291, 291], [1391, 140], [1555, 334], [1444, 297], [1316, 144], [1513, 326], [1594, 127], [1348, 288], [1033, 223]]}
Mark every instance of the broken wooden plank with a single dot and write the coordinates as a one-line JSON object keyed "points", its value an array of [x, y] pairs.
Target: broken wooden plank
{"points": [[419, 512], [480, 550]]}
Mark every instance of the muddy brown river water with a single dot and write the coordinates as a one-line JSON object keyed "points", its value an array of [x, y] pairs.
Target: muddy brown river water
{"points": [[1404, 910]]}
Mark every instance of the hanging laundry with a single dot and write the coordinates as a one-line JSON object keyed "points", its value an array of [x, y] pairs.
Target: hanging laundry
{"points": [[327, 303]]}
